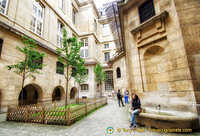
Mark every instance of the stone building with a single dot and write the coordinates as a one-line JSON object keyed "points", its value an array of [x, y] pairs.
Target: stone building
{"points": [[161, 52], [43, 20]]}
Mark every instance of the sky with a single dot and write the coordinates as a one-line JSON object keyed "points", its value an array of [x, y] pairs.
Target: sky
{"points": [[99, 3]]}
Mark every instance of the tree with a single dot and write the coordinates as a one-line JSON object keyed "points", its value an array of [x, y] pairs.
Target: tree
{"points": [[69, 56], [81, 75], [100, 76], [31, 63]]}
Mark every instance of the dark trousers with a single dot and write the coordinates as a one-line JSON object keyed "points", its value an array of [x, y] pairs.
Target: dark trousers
{"points": [[121, 102]]}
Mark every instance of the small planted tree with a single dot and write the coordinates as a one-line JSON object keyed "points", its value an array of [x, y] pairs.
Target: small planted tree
{"points": [[81, 75], [69, 56], [100, 76], [31, 62]]}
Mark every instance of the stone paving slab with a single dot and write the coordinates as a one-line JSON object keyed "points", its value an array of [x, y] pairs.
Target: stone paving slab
{"points": [[94, 124]]}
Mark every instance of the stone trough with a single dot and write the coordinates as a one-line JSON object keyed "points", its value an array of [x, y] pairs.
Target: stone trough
{"points": [[151, 118]]}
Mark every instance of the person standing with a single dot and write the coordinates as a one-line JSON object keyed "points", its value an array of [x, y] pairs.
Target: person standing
{"points": [[135, 107], [126, 96], [113, 94], [119, 97]]}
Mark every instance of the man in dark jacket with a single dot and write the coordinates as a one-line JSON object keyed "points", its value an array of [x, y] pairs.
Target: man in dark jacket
{"points": [[119, 97], [135, 106]]}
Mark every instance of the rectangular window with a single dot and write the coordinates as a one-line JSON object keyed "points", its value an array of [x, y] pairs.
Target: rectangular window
{"points": [[146, 10], [106, 29], [1, 46], [96, 44], [73, 16], [95, 25], [38, 62], [59, 68], [37, 18], [107, 56], [3, 6], [106, 46], [84, 48], [86, 72], [60, 27], [84, 87], [74, 72], [109, 85], [60, 3]]}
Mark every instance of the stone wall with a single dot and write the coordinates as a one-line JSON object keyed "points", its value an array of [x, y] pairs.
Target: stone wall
{"points": [[156, 55], [17, 22]]}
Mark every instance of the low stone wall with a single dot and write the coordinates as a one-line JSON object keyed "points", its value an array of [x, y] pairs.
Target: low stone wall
{"points": [[167, 120]]}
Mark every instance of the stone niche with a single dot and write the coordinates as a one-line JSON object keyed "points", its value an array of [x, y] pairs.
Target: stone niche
{"points": [[151, 40]]}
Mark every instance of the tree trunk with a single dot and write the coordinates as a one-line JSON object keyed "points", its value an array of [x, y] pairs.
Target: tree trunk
{"points": [[67, 87], [23, 78], [78, 92], [100, 90]]}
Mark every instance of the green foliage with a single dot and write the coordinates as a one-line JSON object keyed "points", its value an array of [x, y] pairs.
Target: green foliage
{"points": [[31, 63], [80, 74], [69, 55], [100, 75]]}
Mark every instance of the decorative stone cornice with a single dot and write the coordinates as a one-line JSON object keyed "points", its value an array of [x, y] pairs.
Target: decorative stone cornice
{"points": [[152, 20]]}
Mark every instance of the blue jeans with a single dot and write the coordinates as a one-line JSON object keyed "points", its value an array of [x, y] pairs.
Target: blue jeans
{"points": [[133, 116], [121, 102], [126, 98]]}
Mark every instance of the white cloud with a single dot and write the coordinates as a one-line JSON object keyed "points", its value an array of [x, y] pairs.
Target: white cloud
{"points": [[99, 3]]}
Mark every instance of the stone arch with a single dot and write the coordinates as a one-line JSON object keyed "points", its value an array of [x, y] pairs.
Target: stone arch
{"points": [[153, 51], [58, 93], [154, 69], [73, 93], [32, 94]]}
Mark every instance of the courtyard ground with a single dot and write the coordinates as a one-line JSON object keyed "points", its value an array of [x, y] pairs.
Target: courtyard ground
{"points": [[94, 124]]}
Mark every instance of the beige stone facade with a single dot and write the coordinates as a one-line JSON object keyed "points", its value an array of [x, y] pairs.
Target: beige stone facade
{"points": [[161, 54], [159, 60], [42, 20]]}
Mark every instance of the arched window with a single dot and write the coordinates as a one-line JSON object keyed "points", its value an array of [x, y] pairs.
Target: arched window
{"points": [[118, 72], [84, 87]]}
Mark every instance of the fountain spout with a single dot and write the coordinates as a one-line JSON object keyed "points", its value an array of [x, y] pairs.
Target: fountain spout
{"points": [[158, 107]]}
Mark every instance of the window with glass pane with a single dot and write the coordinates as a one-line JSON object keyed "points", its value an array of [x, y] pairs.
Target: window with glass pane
{"points": [[74, 16], [106, 46], [95, 26], [107, 56], [3, 6], [60, 27], [84, 87], [37, 18], [146, 10], [59, 68], [84, 48], [109, 85], [106, 29], [60, 3]]}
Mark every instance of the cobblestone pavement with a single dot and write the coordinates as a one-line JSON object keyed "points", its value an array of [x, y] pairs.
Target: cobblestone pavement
{"points": [[93, 125]]}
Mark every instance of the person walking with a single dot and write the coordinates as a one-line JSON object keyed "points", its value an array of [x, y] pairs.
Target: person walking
{"points": [[126, 96], [135, 107], [119, 97], [113, 93]]}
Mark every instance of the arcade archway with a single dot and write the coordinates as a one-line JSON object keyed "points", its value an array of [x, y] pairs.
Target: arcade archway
{"points": [[58, 93], [30, 94], [73, 93]]}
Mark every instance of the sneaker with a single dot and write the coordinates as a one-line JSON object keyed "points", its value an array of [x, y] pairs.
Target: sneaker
{"points": [[131, 125], [134, 126]]}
